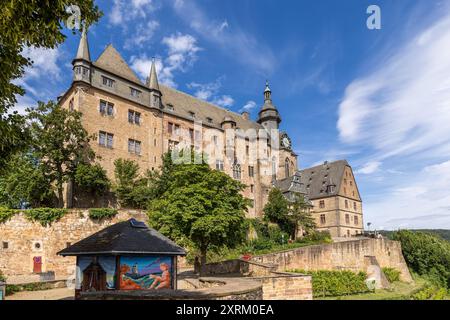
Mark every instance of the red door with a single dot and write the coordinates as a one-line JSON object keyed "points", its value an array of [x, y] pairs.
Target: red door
{"points": [[37, 264]]}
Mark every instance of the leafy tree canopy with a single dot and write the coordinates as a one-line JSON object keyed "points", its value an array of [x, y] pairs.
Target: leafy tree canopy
{"points": [[60, 141], [25, 23], [200, 207]]}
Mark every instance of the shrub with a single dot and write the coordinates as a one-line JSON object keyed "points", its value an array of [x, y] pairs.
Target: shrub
{"points": [[92, 178], [46, 216], [317, 236], [6, 214], [336, 283], [430, 292], [2, 277], [102, 213], [391, 274]]}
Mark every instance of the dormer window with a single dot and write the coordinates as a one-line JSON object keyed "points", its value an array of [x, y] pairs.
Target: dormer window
{"points": [[135, 93], [209, 120], [108, 82], [170, 107], [330, 189], [192, 114]]}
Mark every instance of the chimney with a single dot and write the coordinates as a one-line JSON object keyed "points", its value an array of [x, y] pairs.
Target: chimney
{"points": [[245, 115]]}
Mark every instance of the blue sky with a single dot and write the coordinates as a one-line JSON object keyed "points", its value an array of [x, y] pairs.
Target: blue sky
{"points": [[378, 98]]}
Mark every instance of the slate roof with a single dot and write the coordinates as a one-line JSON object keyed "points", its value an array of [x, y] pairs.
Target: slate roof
{"points": [[124, 238], [111, 60], [316, 179], [182, 103]]}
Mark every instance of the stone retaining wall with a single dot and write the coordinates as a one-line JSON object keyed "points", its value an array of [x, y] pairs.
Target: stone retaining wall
{"points": [[22, 237], [349, 255]]}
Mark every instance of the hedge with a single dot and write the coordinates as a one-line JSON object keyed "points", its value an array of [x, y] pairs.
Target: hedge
{"points": [[336, 283], [102, 213]]}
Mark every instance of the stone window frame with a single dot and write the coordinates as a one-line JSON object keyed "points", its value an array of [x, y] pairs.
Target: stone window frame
{"points": [[323, 219], [322, 204], [134, 117], [251, 171], [107, 137], [347, 218], [106, 108], [356, 220], [108, 82], [135, 93], [133, 146], [5, 245], [219, 165]]}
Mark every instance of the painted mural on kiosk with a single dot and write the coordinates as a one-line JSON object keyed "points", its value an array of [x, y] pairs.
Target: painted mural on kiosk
{"points": [[145, 273]]}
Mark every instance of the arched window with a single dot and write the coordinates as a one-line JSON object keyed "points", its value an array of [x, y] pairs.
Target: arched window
{"points": [[287, 167], [237, 171]]}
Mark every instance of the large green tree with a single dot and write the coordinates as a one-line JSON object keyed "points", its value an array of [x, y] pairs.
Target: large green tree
{"points": [[23, 183], [300, 217], [276, 210], [25, 23], [426, 254], [200, 207], [132, 189], [60, 141]]}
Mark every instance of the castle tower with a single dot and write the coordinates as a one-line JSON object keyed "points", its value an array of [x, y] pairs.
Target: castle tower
{"points": [[153, 85], [82, 61], [269, 117]]}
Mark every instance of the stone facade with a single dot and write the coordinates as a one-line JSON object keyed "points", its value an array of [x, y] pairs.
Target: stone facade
{"points": [[106, 91], [27, 240], [337, 206]]}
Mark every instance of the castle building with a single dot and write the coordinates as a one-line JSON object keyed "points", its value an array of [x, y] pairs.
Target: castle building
{"points": [[142, 121]]}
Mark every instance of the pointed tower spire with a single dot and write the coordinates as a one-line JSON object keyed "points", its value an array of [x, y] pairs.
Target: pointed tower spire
{"points": [[268, 115], [83, 47], [267, 93], [152, 81]]}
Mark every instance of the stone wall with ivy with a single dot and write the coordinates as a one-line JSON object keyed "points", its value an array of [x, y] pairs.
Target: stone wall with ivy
{"points": [[27, 234]]}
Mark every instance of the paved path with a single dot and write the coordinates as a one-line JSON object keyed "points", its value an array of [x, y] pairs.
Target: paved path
{"points": [[52, 294]]}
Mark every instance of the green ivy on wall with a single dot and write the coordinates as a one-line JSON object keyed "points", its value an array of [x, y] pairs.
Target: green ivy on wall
{"points": [[6, 214], [102, 213], [45, 216]]}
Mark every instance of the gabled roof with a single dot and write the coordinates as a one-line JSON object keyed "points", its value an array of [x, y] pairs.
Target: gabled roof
{"points": [[112, 61], [127, 237], [319, 177]]}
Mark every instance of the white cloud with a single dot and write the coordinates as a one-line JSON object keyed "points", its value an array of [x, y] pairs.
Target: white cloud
{"points": [[249, 106], [123, 11], [225, 101], [182, 53], [241, 45], [209, 92], [369, 168], [422, 201], [143, 34], [403, 106], [45, 62]]}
